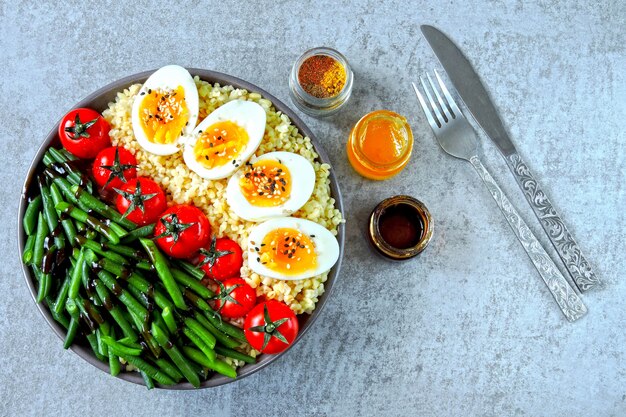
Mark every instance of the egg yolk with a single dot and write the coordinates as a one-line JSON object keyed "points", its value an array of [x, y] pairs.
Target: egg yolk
{"points": [[288, 251], [266, 183], [220, 143], [164, 115]]}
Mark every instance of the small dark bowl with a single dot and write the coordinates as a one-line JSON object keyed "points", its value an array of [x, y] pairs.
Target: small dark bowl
{"points": [[99, 101]]}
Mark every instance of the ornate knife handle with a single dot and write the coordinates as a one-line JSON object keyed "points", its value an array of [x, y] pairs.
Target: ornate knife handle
{"points": [[561, 238], [568, 300]]}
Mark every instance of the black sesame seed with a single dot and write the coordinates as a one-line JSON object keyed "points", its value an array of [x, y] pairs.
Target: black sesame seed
{"points": [[258, 259], [149, 91]]}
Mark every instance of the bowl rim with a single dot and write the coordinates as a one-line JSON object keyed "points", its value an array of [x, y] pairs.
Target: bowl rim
{"points": [[213, 77]]}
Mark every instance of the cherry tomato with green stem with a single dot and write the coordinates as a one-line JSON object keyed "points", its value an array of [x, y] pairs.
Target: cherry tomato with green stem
{"points": [[84, 133]]}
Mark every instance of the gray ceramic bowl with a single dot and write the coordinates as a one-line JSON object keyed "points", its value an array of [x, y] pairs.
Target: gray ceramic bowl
{"points": [[99, 101]]}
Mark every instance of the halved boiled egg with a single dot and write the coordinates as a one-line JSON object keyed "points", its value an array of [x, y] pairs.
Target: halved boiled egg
{"points": [[275, 184], [165, 109], [225, 140], [291, 248]]}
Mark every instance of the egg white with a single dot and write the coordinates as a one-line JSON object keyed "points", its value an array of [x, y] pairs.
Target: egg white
{"points": [[246, 114], [326, 246], [167, 78], [302, 184]]}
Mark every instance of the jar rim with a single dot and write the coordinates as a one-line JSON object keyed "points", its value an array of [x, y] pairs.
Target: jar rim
{"points": [[402, 159], [385, 248], [316, 102]]}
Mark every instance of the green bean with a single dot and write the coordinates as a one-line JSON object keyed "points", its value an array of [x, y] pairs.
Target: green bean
{"points": [[147, 380], [168, 318], [202, 332], [126, 251], [188, 281], [114, 363], [152, 343], [176, 356], [102, 208], [124, 296], [196, 340], [223, 338], [192, 270], [214, 318], [65, 186], [59, 318], [29, 221], [72, 175], [67, 224], [135, 280], [40, 236], [99, 249], [234, 354], [114, 310], [145, 265], [74, 322], [47, 159], [102, 347], [44, 284], [80, 227], [91, 221], [50, 214], [67, 154], [59, 303], [164, 273], [154, 373], [27, 255], [217, 365], [120, 349], [91, 338], [129, 342], [117, 229], [143, 231], [92, 315], [167, 367], [76, 276]]}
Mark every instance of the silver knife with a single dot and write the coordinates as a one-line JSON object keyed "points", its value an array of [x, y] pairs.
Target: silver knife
{"points": [[476, 98]]}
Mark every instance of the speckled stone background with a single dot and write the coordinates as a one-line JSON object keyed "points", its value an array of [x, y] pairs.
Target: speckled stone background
{"points": [[466, 329]]}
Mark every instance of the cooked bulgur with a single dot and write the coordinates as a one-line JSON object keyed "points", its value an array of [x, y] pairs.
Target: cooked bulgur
{"points": [[184, 186]]}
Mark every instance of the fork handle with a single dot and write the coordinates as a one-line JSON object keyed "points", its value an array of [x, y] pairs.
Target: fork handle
{"points": [[563, 241], [566, 297]]}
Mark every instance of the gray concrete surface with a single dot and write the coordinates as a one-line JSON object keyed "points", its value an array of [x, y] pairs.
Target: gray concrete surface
{"points": [[466, 329]]}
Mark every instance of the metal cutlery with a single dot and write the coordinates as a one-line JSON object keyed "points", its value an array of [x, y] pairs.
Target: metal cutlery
{"points": [[457, 137], [476, 98]]}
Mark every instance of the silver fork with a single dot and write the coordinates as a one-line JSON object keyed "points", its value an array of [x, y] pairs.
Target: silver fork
{"points": [[457, 137]]}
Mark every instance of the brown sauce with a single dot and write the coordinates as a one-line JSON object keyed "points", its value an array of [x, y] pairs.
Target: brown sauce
{"points": [[401, 226]]}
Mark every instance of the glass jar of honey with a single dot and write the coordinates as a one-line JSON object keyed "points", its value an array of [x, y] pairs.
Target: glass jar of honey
{"points": [[380, 144]]}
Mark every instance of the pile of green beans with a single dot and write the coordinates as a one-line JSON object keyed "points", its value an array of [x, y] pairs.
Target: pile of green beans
{"points": [[107, 283]]}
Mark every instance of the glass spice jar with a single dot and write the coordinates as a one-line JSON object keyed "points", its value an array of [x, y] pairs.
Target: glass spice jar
{"points": [[320, 82], [400, 227], [380, 145]]}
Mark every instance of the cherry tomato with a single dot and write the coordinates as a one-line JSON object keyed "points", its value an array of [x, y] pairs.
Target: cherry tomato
{"points": [[141, 201], [182, 230], [271, 327], [84, 133], [235, 298], [114, 167], [222, 260]]}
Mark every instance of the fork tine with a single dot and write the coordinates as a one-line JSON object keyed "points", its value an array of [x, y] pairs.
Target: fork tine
{"points": [[446, 93], [433, 122], [444, 107], [442, 119]]}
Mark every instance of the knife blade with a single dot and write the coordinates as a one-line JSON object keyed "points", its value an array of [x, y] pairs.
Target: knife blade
{"points": [[469, 87], [478, 102]]}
